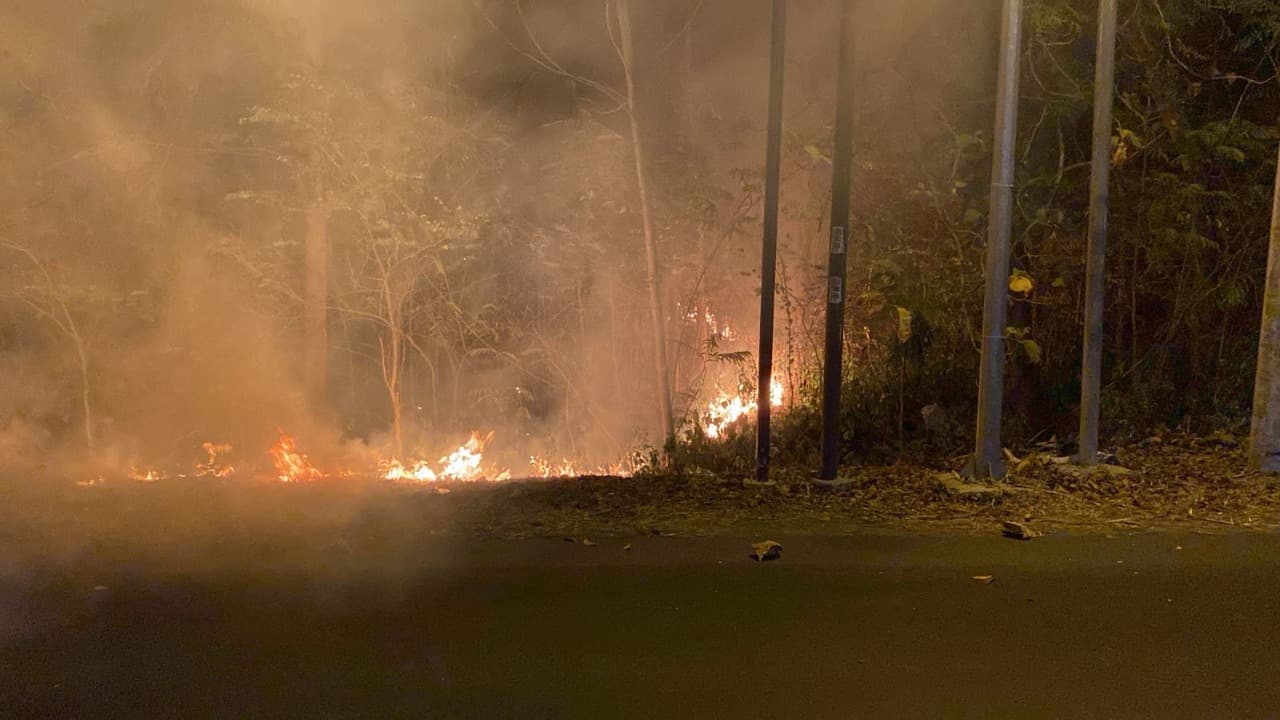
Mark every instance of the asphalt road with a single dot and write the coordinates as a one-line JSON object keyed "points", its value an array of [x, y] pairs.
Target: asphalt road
{"points": [[1147, 626]]}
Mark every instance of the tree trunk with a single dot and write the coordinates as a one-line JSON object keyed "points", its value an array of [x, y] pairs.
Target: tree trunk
{"points": [[391, 364], [690, 127], [657, 316], [316, 306], [620, 395], [392, 356], [85, 394], [1264, 439]]}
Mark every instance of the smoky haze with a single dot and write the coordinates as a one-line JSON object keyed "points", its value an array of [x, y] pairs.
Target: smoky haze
{"points": [[166, 167]]}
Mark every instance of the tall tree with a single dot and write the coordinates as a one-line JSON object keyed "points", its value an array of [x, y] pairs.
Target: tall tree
{"points": [[54, 300], [316, 300], [657, 315], [618, 13]]}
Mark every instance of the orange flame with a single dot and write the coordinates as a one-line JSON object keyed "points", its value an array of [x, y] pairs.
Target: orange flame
{"points": [[214, 467], [421, 472], [461, 465], [291, 465], [149, 476], [545, 468], [726, 410]]}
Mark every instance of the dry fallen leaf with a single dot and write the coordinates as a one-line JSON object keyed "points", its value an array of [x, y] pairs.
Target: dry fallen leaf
{"points": [[766, 551]]}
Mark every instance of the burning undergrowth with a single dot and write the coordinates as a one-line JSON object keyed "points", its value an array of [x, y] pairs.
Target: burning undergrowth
{"points": [[287, 461], [296, 236]]}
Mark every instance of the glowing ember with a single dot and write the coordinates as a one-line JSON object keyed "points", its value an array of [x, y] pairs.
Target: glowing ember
{"points": [[214, 467], [726, 410], [291, 465]]}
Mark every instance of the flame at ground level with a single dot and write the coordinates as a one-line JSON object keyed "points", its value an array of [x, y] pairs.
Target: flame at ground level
{"points": [[291, 465], [214, 467], [545, 468], [420, 472], [464, 464]]}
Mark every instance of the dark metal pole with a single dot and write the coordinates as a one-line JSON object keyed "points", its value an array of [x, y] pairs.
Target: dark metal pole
{"points": [[1104, 82], [768, 270], [986, 460], [841, 187]]}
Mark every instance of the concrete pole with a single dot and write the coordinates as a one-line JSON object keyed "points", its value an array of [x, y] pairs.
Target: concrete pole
{"points": [[1264, 436], [987, 461], [1100, 188]]}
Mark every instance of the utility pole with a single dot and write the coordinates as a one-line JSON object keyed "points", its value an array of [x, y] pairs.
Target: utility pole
{"points": [[1264, 435], [1104, 81], [769, 270], [841, 187], [987, 462]]}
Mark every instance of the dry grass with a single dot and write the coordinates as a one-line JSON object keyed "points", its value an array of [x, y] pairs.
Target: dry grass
{"points": [[1187, 482]]}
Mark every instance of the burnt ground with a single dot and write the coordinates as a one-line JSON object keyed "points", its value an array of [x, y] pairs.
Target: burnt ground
{"points": [[1151, 595]]}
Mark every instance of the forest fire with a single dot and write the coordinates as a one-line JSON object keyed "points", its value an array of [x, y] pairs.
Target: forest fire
{"points": [[546, 468], [420, 472], [462, 465], [214, 467], [148, 476], [291, 465], [726, 410]]}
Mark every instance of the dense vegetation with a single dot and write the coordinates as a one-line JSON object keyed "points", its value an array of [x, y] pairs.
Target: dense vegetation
{"points": [[164, 166]]}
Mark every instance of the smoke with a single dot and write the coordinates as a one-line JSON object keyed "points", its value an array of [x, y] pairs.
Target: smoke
{"points": [[162, 162]]}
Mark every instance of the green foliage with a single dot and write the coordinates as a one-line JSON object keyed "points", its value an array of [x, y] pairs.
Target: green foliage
{"points": [[1194, 150]]}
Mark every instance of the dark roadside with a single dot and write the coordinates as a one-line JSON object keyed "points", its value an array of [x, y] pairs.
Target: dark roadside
{"points": [[614, 597], [1165, 625]]}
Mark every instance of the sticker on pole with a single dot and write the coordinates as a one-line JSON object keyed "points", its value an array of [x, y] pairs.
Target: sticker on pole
{"points": [[835, 290], [838, 244]]}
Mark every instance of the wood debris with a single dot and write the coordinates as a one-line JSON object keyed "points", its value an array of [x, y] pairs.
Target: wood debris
{"points": [[1019, 531]]}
